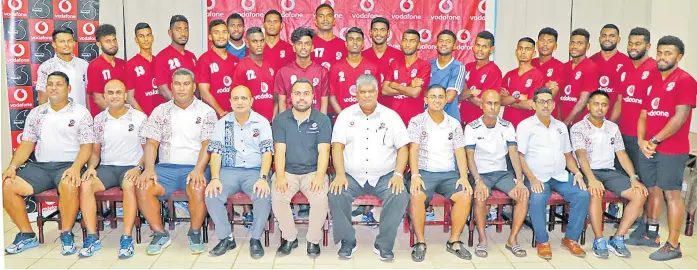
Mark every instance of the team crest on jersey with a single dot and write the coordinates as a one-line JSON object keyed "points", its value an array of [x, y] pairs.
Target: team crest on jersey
{"points": [[450, 136], [293, 78], [315, 81], [338, 55], [283, 54], [618, 67], [559, 130], [612, 141], [198, 120], [482, 79], [367, 72], [352, 124], [271, 71], [413, 73], [382, 126], [670, 86], [578, 75], [516, 94], [467, 76], [131, 127], [255, 132], [528, 83], [644, 74], [71, 123], [550, 72], [475, 124]]}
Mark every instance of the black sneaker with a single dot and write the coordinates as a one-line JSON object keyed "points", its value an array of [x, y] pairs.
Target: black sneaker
{"points": [[313, 250], [348, 248], [222, 247], [643, 240], [256, 250], [667, 252], [286, 247], [385, 255]]}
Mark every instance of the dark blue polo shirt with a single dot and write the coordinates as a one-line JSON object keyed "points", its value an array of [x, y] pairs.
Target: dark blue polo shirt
{"points": [[301, 139]]}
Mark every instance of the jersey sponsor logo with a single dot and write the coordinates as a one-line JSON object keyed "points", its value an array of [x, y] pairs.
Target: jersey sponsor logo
{"points": [[644, 74], [528, 83], [630, 96], [227, 81], [630, 90], [154, 90], [604, 81], [670, 86], [655, 102], [655, 112], [264, 87], [255, 132], [578, 75], [567, 96], [264, 92]]}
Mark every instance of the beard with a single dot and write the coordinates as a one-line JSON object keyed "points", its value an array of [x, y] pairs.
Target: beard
{"points": [[222, 45], [180, 43], [608, 48], [299, 109], [379, 43], [236, 38], [445, 53], [666, 67], [111, 52], [639, 55]]}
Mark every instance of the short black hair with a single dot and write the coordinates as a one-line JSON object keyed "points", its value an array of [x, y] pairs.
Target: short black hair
{"points": [[215, 23], [447, 32], [435, 86], [598, 92], [273, 12], [62, 30], [611, 26], [412, 32], [380, 20], [177, 18], [254, 30], [301, 32], [488, 36], [104, 30], [355, 30], [235, 16], [527, 39], [142, 25], [672, 40], [303, 80], [549, 31], [542, 90], [581, 32], [640, 31], [324, 5], [60, 74]]}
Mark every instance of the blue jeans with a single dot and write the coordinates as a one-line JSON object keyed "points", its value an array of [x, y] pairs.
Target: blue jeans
{"points": [[577, 198]]}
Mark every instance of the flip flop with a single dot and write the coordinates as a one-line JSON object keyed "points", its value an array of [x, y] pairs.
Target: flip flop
{"points": [[461, 253], [481, 251], [418, 252], [517, 250]]}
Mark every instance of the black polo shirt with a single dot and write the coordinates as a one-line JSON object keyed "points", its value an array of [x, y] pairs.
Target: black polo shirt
{"points": [[301, 139]]}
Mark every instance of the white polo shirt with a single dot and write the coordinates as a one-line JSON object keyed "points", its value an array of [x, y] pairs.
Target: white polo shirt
{"points": [[180, 131], [120, 137], [544, 148], [58, 134], [371, 141], [600, 143], [76, 70], [437, 142], [490, 144]]}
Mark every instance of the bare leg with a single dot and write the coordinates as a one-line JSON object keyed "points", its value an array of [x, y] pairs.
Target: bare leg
{"points": [[14, 204], [68, 205], [676, 214], [521, 209], [595, 212], [149, 205], [418, 215], [130, 206], [461, 209], [88, 204], [654, 205], [480, 210], [631, 211], [197, 206]]}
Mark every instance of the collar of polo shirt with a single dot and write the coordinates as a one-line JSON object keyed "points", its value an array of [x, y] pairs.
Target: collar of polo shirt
{"points": [[67, 108], [313, 113], [253, 118], [587, 118]]}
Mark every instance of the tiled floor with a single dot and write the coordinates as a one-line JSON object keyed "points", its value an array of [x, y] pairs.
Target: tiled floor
{"points": [[177, 255]]}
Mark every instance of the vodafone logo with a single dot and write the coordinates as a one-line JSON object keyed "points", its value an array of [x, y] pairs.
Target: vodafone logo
{"points": [[342, 33], [367, 5], [65, 6], [630, 90], [20, 95], [14, 5], [211, 4], [246, 4], [41, 27], [445, 6], [670, 86], [264, 87], [425, 35], [19, 138], [655, 102], [481, 6], [604, 81], [406, 5], [88, 29], [227, 81], [353, 90], [18, 50], [466, 38], [331, 2], [287, 5], [154, 85], [567, 90]]}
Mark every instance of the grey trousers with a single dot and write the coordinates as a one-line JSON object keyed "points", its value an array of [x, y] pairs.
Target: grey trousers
{"points": [[393, 209], [235, 180]]}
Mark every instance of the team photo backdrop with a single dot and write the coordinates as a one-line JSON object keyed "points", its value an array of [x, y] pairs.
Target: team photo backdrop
{"points": [[464, 17]]}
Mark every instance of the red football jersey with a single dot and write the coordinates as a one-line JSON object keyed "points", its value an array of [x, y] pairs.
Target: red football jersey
{"points": [[408, 107], [279, 55], [217, 72], [99, 72], [383, 62], [612, 74], [679, 88], [524, 84], [583, 78], [259, 80], [487, 77], [342, 80], [168, 61], [553, 70], [328, 52], [140, 77], [638, 81], [287, 75]]}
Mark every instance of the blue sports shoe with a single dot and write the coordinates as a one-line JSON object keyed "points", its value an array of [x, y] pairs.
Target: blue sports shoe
{"points": [[126, 247], [600, 248], [369, 218], [249, 218], [68, 243], [159, 242], [90, 245], [22, 242], [616, 245], [430, 215]]}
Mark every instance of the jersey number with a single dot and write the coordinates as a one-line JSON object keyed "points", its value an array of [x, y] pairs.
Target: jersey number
{"points": [[174, 63], [139, 71], [251, 75], [106, 74], [341, 77], [214, 68], [319, 52]]}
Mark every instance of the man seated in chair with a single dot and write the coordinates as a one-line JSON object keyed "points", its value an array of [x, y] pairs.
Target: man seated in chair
{"points": [[545, 154], [178, 131], [370, 153], [116, 161], [437, 143], [61, 131], [241, 155], [596, 141], [301, 139], [488, 141]]}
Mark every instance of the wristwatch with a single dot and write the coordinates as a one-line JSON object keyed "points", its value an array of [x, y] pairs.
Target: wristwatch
{"points": [[263, 176], [655, 141], [633, 177], [141, 168]]}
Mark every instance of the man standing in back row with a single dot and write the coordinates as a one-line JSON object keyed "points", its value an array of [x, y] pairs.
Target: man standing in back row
{"points": [[256, 73], [343, 75], [328, 48], [104, 68], [482, 75], [278, 52], [612, 68], [143, 94], [215, 70], [174, 56], [552, 68], [580, 78]]}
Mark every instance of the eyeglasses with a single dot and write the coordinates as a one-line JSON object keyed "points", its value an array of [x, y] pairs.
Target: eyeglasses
{"points": [[436, 97], [547, 102]]}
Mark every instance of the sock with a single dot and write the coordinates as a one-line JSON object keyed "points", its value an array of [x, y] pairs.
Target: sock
{"points": [[652, 230], [29, 234]]}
